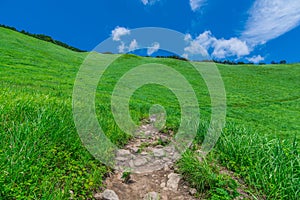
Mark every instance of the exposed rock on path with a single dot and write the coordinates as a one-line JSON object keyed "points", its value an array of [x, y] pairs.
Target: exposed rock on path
{"points": [[145, 170], [151, 157]]}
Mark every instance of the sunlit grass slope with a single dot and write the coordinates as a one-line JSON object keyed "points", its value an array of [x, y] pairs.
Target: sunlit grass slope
{"points": [[265, 98], [42, 157]]}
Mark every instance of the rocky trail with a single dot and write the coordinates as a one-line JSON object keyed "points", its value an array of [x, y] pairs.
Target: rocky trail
{"points": [[145, 169]]}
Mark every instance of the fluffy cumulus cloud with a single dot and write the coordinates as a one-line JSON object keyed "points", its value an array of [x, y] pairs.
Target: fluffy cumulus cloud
{"points": [[256, 59], [269, 19], [149, 2], [232, 47], [199, 45], [154, 48], [221, 48], [118, 32], [196, 4]]}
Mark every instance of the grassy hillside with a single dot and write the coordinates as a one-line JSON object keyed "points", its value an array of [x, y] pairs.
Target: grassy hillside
{"points": [[265, 98], [41, 155]]}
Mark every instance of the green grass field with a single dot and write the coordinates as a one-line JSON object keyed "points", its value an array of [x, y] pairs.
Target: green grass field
{"points": [[42, 157]]}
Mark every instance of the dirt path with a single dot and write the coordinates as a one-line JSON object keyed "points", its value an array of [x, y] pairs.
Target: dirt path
{"points": [[146, 171], [164, 183]]}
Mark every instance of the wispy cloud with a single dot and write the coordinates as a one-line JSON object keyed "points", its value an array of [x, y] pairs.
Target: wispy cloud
{"points": [[132, 46], [221, 48], [121, 47], [154, 48], [145, 2], [118, 32], [149, 2], [267, 20], [256, 59], [196, 4], [270, 19]]}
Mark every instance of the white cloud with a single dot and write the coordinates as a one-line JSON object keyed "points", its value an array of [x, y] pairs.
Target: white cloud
{"points": [[256, 59], [188, 37], [118, 32], [269, 19], [149, 2], [133, 45], [122, 47], [205, 39], [232, 47], [196, 4], [222, 48], [185, 55], [145, 2], [200, 45], [154, 48]]}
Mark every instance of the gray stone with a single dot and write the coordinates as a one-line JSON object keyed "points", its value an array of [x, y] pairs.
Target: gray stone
{"points": [[158, 162], [109, 195], [122, 159], [169, 148], [193, 191], [173, 181], [131, 164], [166, 167], [135, 149], [152, 196], [98, 196], [140, 161], [123, 152], [158, 152], [166, 159]]}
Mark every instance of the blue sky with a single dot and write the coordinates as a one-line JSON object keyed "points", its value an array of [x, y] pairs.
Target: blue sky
{"points": [[255, 30]]}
